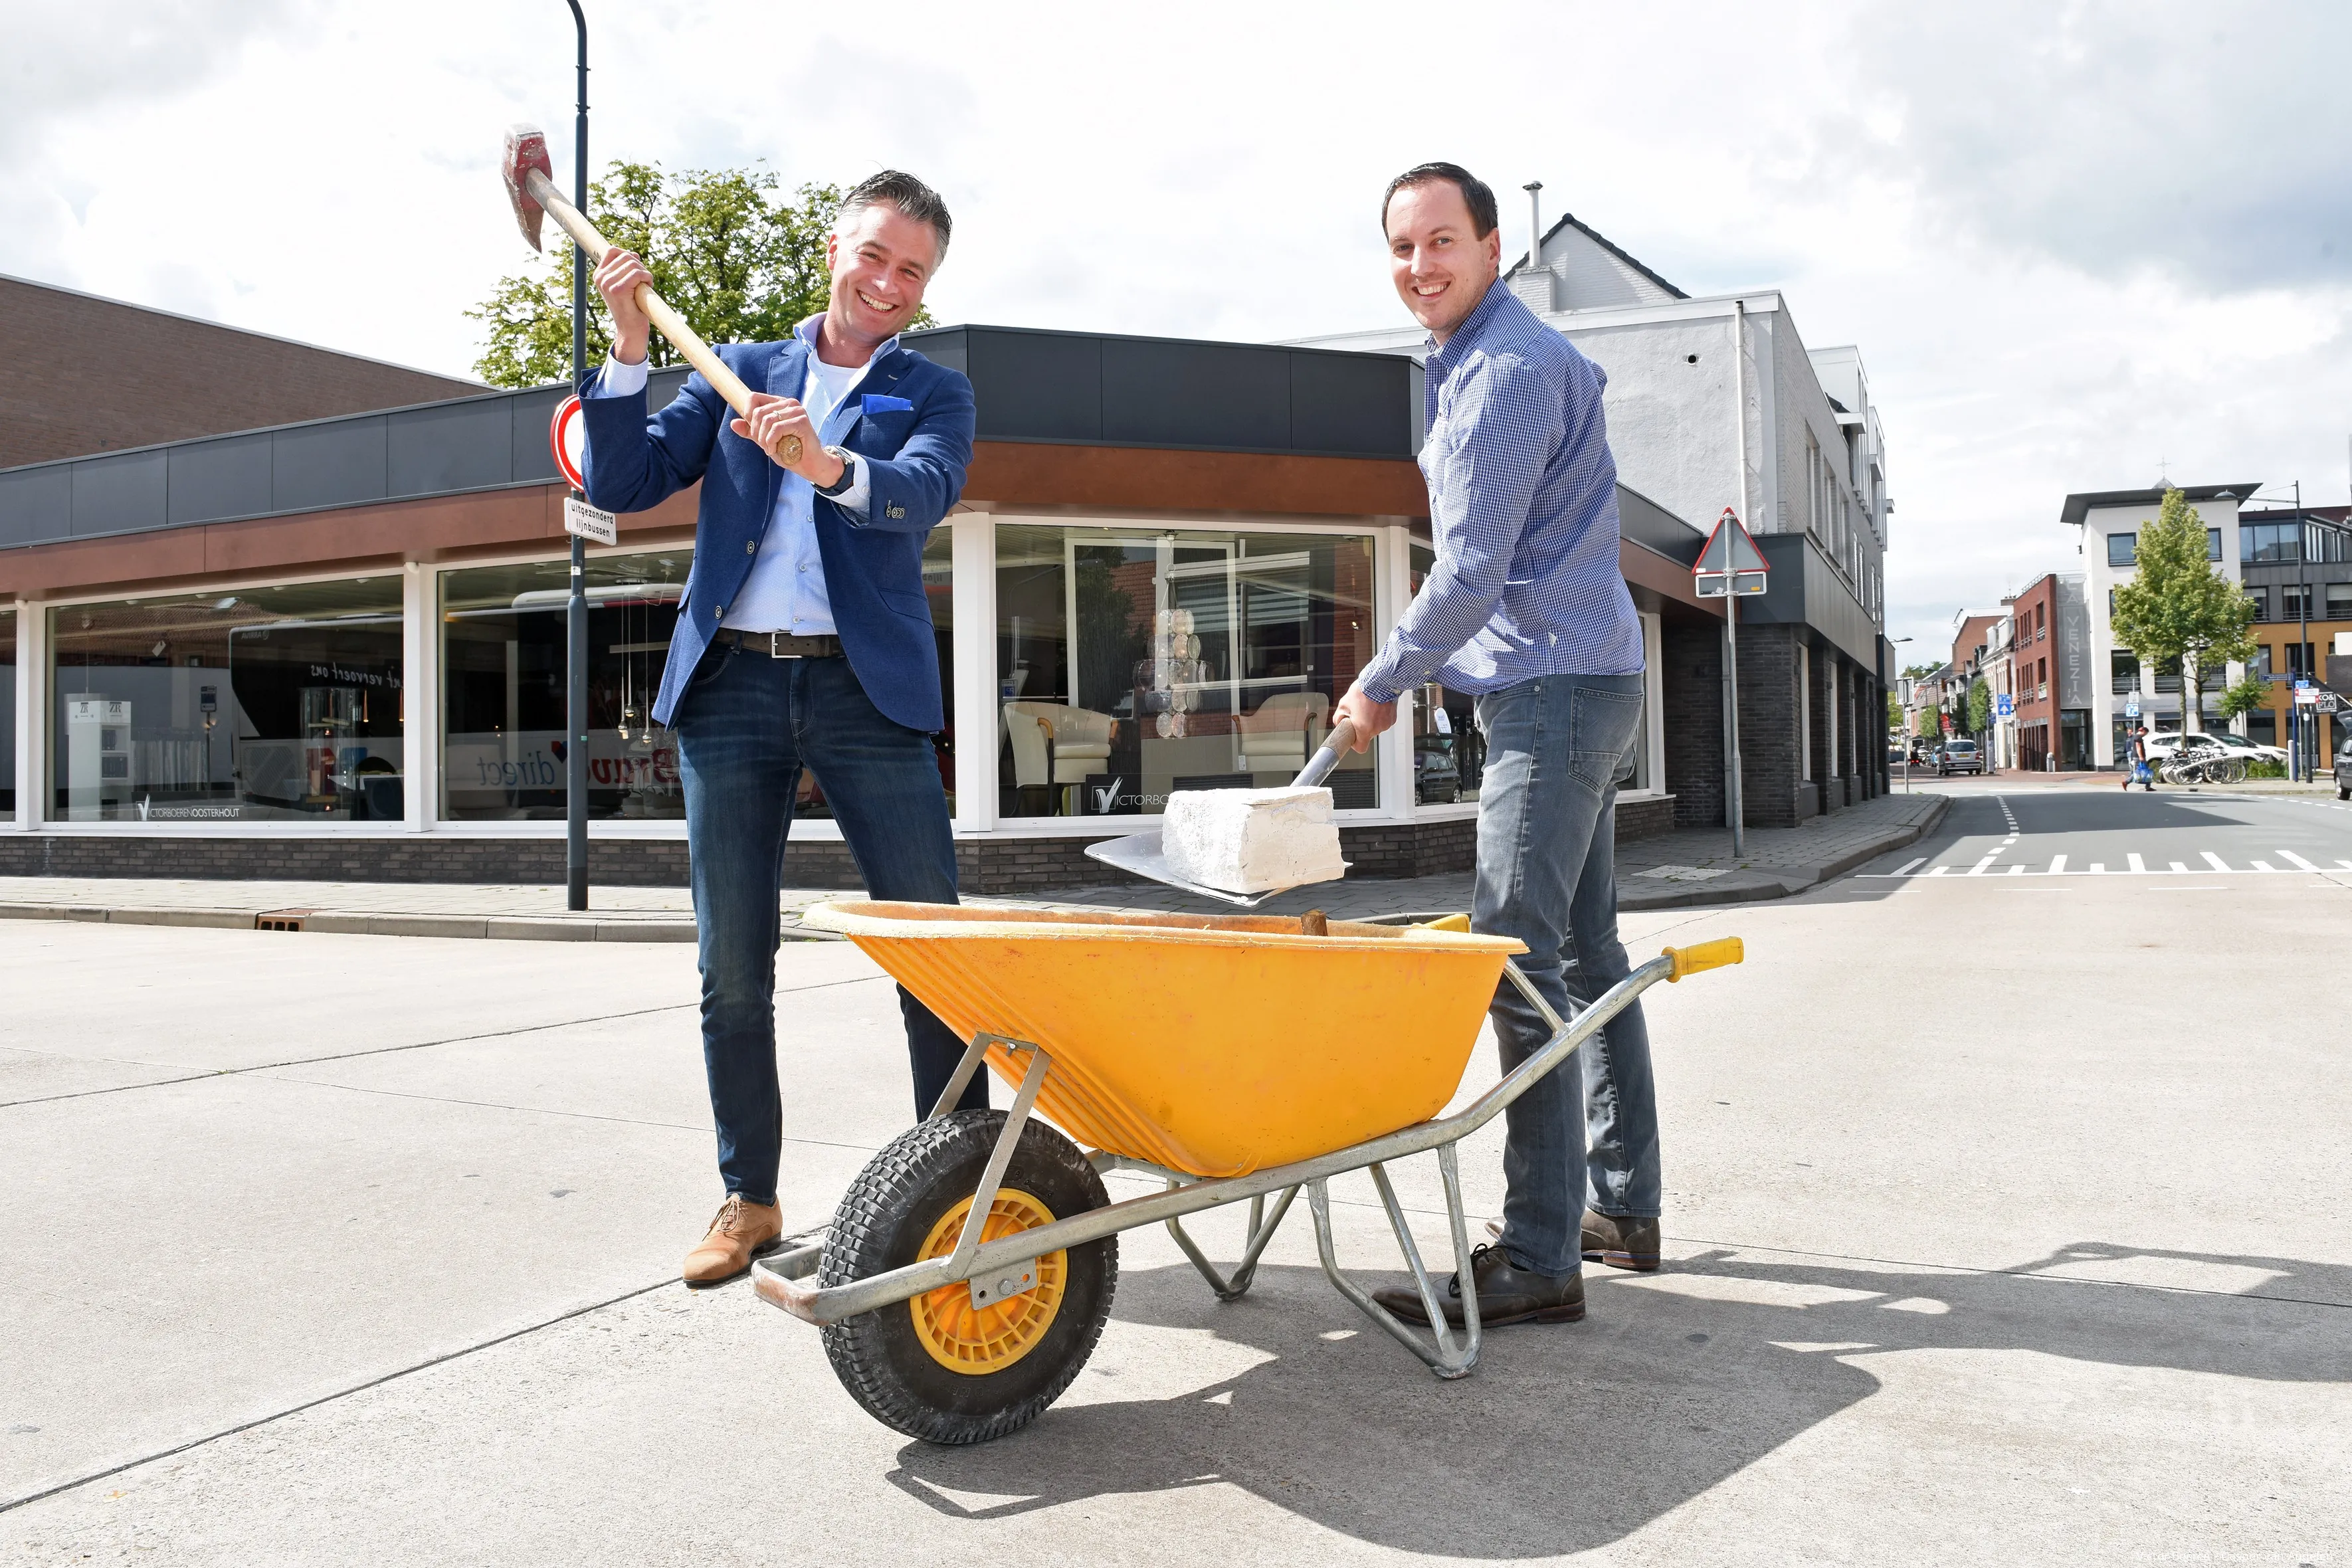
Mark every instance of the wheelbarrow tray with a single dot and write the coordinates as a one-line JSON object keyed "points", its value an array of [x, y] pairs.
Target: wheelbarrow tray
{"points": [[1208, 1045]]}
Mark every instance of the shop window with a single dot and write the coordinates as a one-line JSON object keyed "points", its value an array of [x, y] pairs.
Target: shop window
{"points": [[1133, 662], [1449, 751], [281, 704], [2262, 726], [7, 715], [502, 680], [2123, 672]]}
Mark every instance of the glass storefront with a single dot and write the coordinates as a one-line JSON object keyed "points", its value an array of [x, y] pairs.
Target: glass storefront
{"points": [[7, 715], [1449, 752], [262, 704], [502, 671], [1133, 662]]}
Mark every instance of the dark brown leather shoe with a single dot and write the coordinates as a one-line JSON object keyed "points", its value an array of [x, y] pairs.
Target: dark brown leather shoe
{"points": [[1507, 1294], [1622, 1241], [738, 1232], [1625, 1243]]}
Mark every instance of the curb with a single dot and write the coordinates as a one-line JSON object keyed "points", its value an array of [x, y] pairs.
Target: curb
{"points": [[495, 928], [1758, 886]]}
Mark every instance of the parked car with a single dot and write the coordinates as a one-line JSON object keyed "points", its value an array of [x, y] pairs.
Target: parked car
{"points": [[1437, 776], [2162, 745], [2343, 759], [1958, 757]]}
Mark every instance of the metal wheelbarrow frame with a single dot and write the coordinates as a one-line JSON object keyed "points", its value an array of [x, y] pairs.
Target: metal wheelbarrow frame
{"points": [[995, 1270]]}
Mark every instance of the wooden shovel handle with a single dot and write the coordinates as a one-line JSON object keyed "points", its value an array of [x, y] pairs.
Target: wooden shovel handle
{"points": [[683, 338]]}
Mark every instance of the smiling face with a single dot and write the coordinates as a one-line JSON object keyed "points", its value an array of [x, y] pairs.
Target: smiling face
{"points": [[881, 261], [1442, 267]]}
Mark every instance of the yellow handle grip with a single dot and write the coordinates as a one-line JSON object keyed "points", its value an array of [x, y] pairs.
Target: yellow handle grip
{"points": [[1705, 955], [1445, 922]]}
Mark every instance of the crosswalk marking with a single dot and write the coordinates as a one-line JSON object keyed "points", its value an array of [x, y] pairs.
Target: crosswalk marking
{"points": [[2017, 870], [2300, 863], [1909, 865], [2057, 865], [2136, 863], [2264, 866], [1918, 866], [2097, 867], [2216, 861], [2179, 868]]}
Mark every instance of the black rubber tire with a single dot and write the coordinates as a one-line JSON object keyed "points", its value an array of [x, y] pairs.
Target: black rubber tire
{"points": [[881, 1224]]}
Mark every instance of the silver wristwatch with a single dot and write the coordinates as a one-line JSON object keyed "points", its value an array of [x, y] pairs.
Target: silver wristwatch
{"points": [[848, 473]]}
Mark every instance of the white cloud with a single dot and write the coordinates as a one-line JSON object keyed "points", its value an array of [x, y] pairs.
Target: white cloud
{"points": [[1989, 200]]}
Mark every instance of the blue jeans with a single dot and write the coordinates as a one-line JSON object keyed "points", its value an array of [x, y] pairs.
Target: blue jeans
{"points": [[1548, 875], [747, 724]]}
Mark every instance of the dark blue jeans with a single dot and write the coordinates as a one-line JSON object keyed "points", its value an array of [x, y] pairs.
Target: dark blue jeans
{"points": [[1548, 875], [747, 725]]}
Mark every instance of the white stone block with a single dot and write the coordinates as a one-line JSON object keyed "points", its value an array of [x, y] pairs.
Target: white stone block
{"points": [[1251, 841]]}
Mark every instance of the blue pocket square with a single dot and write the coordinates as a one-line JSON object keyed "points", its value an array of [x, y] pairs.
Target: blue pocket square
{"points": [[883, 403]]}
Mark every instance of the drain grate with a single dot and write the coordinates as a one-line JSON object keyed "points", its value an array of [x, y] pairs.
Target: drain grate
{"points": [[282, 920]]}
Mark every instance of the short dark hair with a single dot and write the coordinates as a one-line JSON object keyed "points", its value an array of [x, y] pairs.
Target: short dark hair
{"points": [[896, 188], [1475, 193]]}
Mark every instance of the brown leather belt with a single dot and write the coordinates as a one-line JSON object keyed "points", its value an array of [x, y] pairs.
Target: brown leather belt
{"points": [[780, 644]]}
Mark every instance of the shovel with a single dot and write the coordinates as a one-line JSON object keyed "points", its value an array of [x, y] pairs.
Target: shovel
{"points": [[1141, 854]]}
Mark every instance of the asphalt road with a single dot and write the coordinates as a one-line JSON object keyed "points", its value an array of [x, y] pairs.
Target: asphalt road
{"points": [[323, 1248], [2019, 826]]}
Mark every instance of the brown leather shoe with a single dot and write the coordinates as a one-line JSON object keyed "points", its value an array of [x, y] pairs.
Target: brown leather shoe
{"points": [[1624, 1243], [1507, 1294], [738, 1232]]}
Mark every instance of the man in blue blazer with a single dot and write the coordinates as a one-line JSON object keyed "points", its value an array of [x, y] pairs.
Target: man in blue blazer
{"points": [[804, 640]]}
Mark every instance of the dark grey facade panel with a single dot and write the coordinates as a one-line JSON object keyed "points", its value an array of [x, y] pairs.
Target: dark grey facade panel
{"points": [[448, 446], [532, 411], [1166, 393], [36, 504], [224, 478], [947, 346], [1351, 403], [120, 493], [1805, 589], [1645, 521], [1042, 386], [337, 463]]}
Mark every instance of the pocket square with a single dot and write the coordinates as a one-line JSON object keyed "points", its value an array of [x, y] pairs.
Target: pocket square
{"points": [[883, 403]]}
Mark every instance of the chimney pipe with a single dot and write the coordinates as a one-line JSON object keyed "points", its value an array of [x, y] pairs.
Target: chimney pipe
{"points": [[1535, 223]]}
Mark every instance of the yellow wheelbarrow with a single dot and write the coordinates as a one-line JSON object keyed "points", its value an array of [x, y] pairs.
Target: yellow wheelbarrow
{"points": [[969, 1268]]}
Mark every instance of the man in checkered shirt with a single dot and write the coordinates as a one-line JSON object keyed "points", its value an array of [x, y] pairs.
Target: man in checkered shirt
{"points": [[1526, 609]]}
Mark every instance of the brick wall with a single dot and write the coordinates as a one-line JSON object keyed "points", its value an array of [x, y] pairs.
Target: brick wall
{"points": [[69, 357], [1770, 767], [1693, 707]]}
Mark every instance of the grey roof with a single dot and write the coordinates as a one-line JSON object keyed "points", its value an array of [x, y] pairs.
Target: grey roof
{"points": [[1570, 220], [2079, 506]]}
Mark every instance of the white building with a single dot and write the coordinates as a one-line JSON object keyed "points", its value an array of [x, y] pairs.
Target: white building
{"points": [[2107, 525]]}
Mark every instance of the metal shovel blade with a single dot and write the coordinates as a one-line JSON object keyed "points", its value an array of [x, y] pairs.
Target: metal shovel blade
{"points": [[1139, 853]]}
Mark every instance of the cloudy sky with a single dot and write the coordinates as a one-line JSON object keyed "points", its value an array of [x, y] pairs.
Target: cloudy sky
{"points": [[2074, 241]]}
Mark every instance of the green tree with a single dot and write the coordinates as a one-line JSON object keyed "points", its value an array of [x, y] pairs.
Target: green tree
{"points": [[2248, 696], [1980, 706], [1894, 714], [740, 263], [2178, 609], [1916, 670]]}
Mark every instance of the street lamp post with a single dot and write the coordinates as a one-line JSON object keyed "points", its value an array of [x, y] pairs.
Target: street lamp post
{"points": [[575, 685]]}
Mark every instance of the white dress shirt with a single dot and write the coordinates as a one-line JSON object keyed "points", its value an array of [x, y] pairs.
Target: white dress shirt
{"points": [[786, 591]]}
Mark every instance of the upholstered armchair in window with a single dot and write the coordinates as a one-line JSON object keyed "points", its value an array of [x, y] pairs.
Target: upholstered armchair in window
{"points": [[1057, 744], [1284, 731]]}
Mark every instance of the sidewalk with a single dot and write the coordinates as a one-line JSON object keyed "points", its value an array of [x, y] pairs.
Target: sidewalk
{"points": [[1672, 870]]}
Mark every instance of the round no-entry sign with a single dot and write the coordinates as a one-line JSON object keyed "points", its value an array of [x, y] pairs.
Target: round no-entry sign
{"points": [[568, 438]]}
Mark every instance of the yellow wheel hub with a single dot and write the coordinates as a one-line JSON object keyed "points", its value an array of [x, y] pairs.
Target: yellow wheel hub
{"points": [[976, 1340]]}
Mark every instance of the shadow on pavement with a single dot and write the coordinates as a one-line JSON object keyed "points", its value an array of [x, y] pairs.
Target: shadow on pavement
{"points": [[1573, 1437]]}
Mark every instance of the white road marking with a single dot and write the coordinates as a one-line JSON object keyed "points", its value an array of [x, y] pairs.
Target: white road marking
{"points": [[2300, 863], [1905, 869], [2216, 861], [2057, 865], [2179, 868], [2137, 865], [1939, 870], [2264, 866], [2345, 863], [2097, 867], [2017, 870]]}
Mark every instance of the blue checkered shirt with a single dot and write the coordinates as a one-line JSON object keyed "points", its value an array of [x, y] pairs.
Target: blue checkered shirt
{"points": [[1523, 504]]}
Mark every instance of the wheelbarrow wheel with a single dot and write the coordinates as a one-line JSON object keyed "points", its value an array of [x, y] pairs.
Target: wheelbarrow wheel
{"points": [[936, 1367]]}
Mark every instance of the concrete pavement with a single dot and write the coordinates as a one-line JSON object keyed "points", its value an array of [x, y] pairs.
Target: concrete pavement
{"points": [[354, 1249]]}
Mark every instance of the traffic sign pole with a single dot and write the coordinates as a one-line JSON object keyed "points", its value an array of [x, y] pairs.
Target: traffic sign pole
{"points": [[1728, 566]]}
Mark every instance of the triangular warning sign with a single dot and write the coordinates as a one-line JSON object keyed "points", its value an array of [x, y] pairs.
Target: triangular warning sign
{"points": [[1731, 564], [1729, 549]]}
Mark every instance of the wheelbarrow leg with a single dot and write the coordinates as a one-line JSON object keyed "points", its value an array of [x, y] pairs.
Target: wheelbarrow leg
{"points": [[1443, 1355], [1261, 1231]]}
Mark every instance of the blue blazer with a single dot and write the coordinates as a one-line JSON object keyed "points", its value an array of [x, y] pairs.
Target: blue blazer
{"points": [[915, 461]]}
